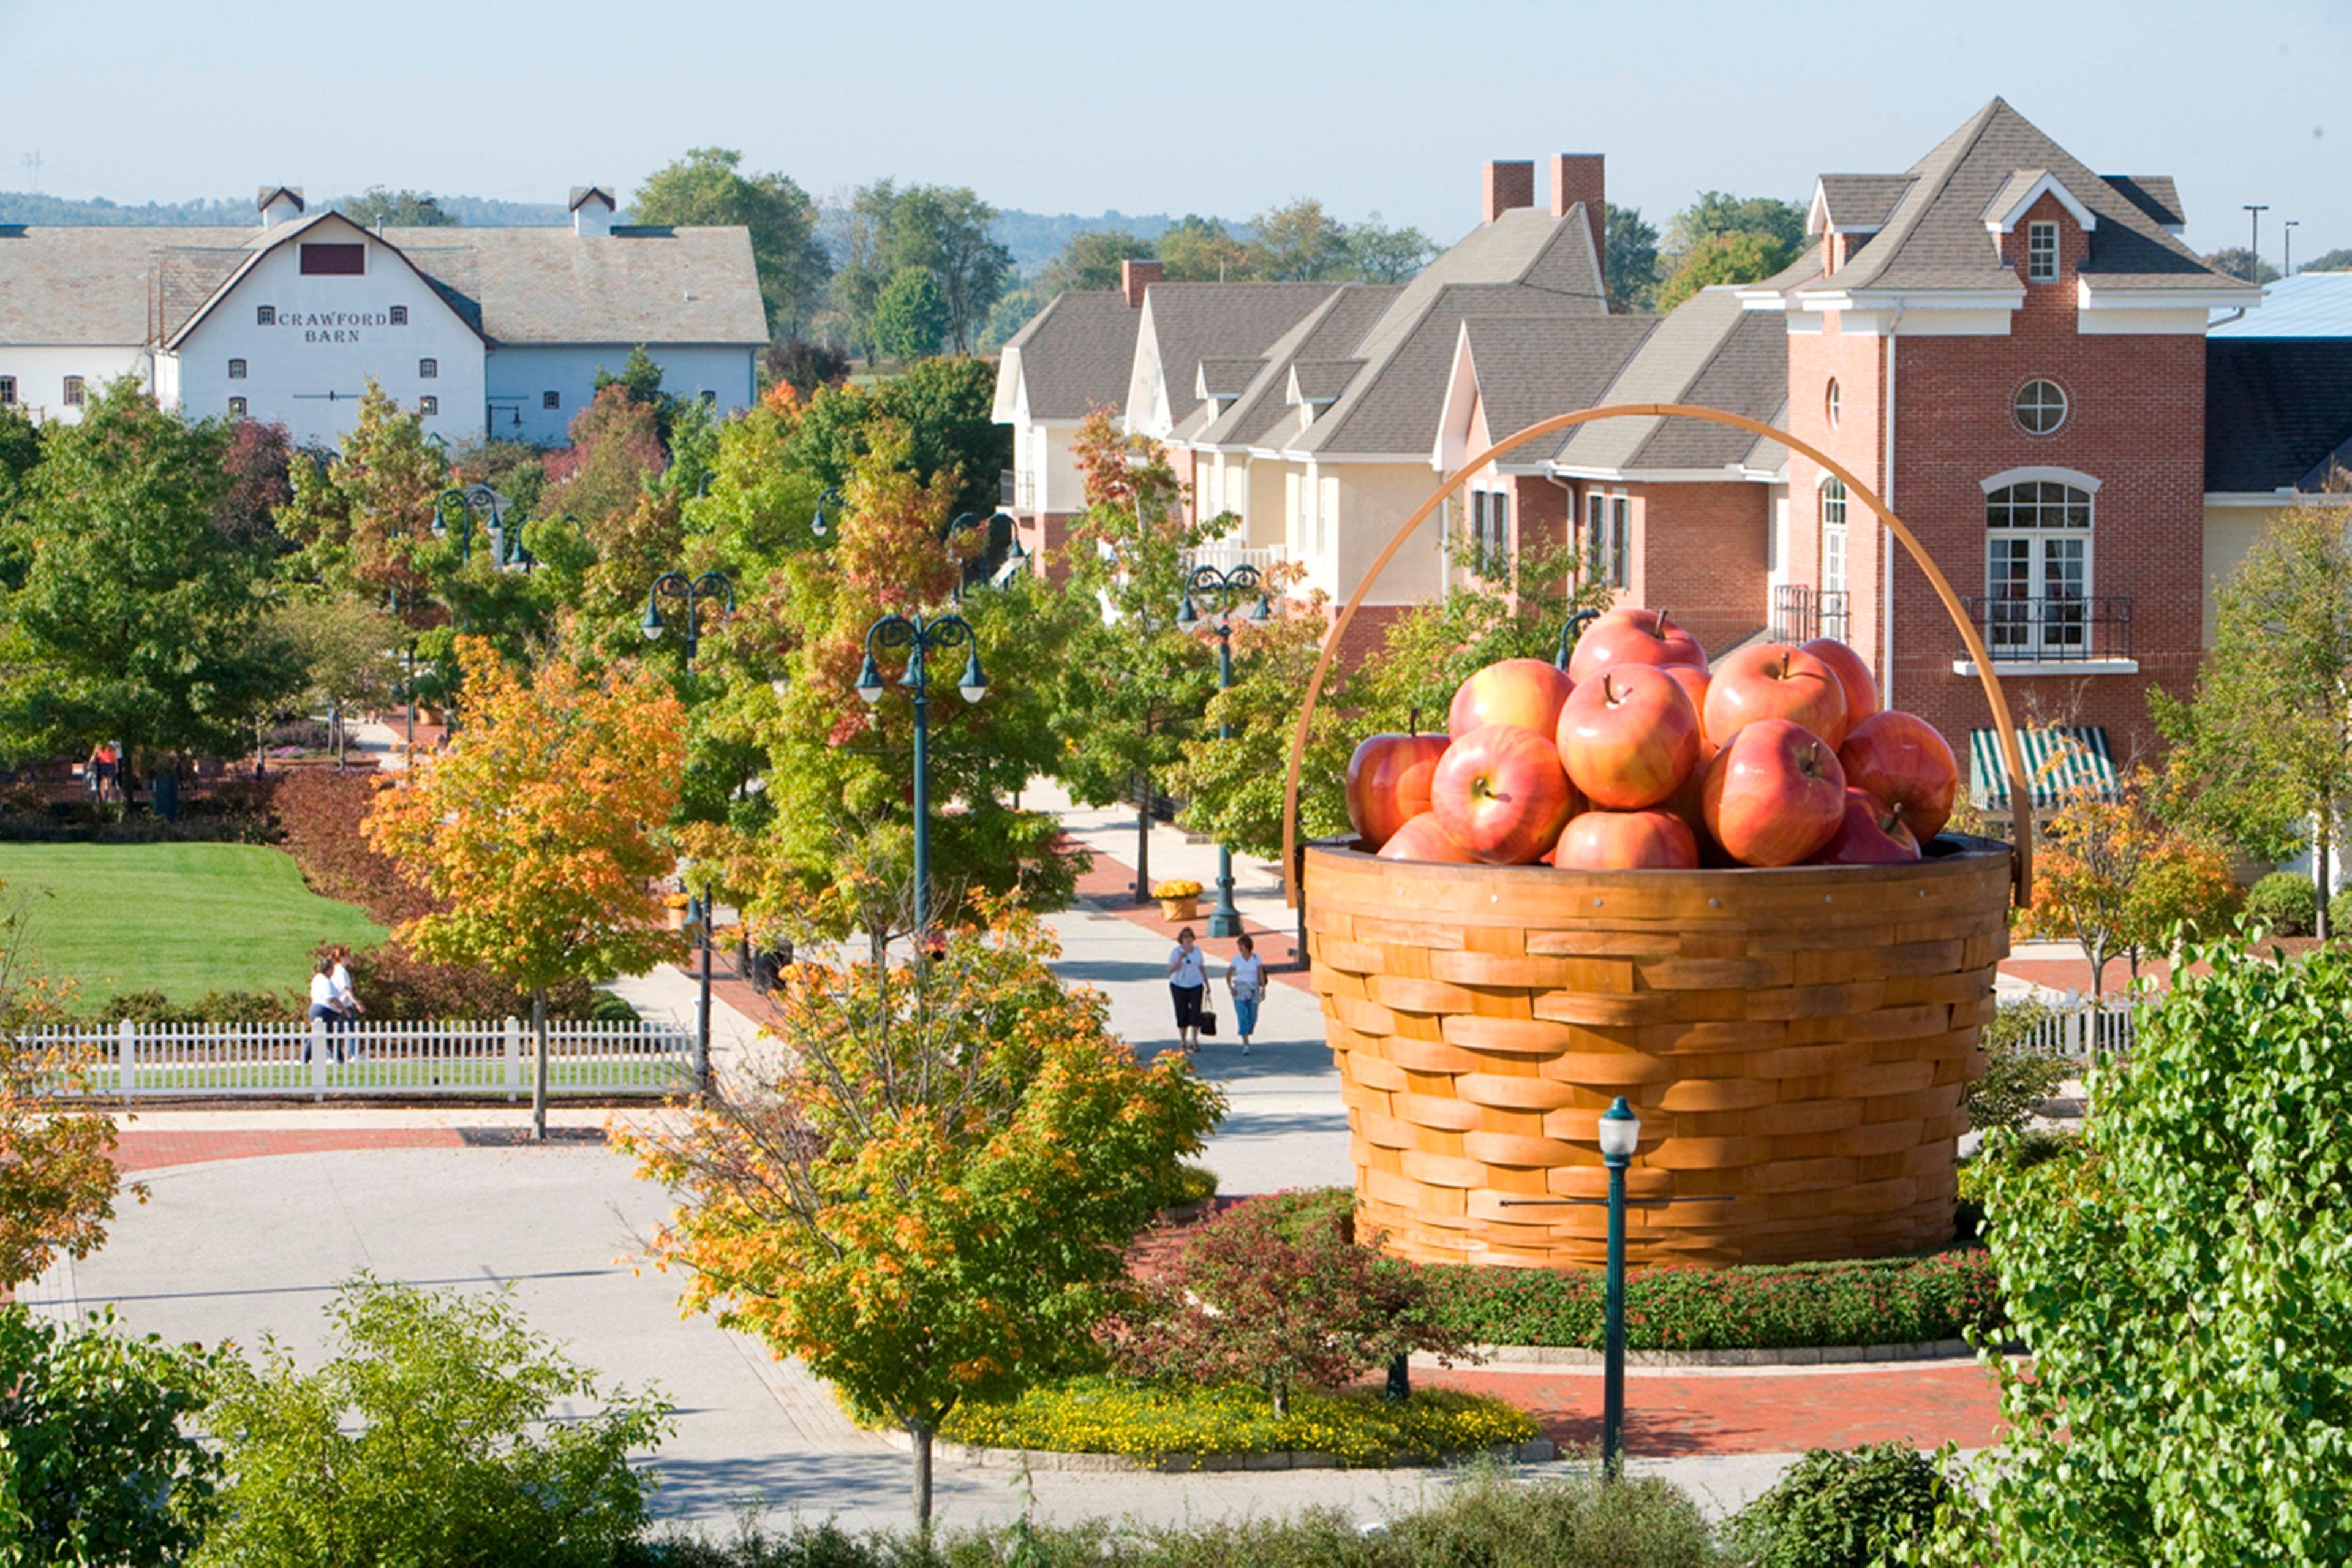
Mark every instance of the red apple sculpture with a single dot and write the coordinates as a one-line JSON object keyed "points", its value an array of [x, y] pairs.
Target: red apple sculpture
{"points": [[1388, 784], [1773, 680], [1871, 834], [1774, 795], [1526, 692], [1422, 839], [1853, 678], [1633, 636], [1629, 737], [1501, 794], [1903, 761], [1626, 841]]}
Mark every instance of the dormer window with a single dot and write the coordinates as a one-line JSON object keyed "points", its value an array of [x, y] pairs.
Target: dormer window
{"points": [[2042, 253]]}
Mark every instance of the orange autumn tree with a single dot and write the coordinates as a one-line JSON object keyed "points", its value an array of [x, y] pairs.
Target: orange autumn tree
{"points": [[927, 1196], [537, 829], [2114, 876]]}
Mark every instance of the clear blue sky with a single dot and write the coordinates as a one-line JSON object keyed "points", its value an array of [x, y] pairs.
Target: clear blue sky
{"points": [[1213, 106]]}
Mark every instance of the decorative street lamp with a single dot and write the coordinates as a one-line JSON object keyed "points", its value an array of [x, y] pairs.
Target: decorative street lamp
{"points": [[1571, 630], [1222, 588], [922, 637], [830, 498], [695, 593], [1621, 1135]]}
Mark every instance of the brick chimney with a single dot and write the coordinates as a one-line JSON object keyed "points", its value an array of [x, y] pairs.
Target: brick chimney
{"points": [[1134, 277], [1509, 186], [1576, 177]]}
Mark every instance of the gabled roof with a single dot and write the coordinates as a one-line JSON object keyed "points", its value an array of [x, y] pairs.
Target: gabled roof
{"points": [[1708, 351], [1320, 380], [271, 239], [1528, 368], [2025, 187], [582, 193], [1189, 323], [1073, 356], [1328, 332], [1934, 237], [1226, 378], [271, 192], [2278, 413], [1853, 204]]}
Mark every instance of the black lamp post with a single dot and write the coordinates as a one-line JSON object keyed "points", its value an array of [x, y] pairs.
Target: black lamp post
{"points": [[1222, 588], [920, 637], [1571, 630], [694, 592], [831, 498], [1014, 555]]}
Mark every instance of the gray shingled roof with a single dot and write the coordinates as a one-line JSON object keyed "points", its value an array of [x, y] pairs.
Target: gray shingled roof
{"points": [[1935, 237], [1321, 380], [1193, 321], [1227, 378], [1533, 367], [2154, 194], [1328, 332], [1077, 352], [103, 284], [2278, 411], [1710, 352], [1861, 200]]}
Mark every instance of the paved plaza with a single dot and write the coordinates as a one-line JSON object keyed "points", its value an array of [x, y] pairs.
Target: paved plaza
{"points": [[257, 1213]]}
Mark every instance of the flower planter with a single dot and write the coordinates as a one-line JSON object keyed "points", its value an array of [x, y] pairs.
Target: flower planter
{"points": [[1796, 1041], [1179, 909]]}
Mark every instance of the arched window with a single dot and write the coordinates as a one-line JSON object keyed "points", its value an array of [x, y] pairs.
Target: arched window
{"points": [[1832, 404], [2038, 567]]}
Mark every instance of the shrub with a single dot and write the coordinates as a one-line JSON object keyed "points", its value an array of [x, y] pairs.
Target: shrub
{"points": [[1194, 1185], [2285, 903], [608, 1007], [2020, 1150], [2339, 910], [98, 1462], [1900, 1300], [397, 986], [2015, 1080], [212, 1007], [298, 735], [1255, 1298], [429, 1436], [1841, 1510], [1149, 1420], [320, 815]]}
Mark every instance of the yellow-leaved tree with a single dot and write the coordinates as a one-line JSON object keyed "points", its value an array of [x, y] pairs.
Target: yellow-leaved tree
{"points": [[540, 829]]}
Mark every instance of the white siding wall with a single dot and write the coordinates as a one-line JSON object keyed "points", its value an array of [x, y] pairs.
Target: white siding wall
{"points": [[519, 376], [41, 374]]}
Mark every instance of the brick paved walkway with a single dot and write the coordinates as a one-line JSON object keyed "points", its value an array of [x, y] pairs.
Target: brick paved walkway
{"points": [[136, 1151]]}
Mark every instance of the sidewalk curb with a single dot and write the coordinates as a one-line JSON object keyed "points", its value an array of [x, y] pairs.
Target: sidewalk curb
{"points": [[1536, 1451], [1507, 1358]]}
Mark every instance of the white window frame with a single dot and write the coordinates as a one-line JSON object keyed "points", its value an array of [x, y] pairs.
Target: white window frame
{"points": [[2042, 252], [2065, 404], [1593, 554], [75, 394], [1832, 403], [2053, 629], [1621, 541]]}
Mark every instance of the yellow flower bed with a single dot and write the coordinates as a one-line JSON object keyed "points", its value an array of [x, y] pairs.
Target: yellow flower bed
{"points": [[1103, 1415], [1179, 888]]}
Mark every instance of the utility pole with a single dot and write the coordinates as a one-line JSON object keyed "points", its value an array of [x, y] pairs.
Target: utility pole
{"points": [[2254, 240], [2287, 268]]}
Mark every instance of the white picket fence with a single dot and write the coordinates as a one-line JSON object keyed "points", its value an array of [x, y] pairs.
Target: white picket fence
{"points": [[183, 1061], [2082, 1032]]}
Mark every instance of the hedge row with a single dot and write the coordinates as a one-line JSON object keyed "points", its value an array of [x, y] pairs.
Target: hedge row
{"points": [[1877, 1302]]}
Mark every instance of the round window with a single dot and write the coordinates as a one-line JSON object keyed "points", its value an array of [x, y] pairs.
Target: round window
{"points": [[1830, 403], [2040, 406]]}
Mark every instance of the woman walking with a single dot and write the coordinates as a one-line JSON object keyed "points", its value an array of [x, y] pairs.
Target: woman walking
{"points": [[323, 1009], [1188, 982], [1245, 978]]}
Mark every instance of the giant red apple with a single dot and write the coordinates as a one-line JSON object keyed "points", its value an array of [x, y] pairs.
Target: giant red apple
{"points": [[1855, 678], [1773, 680], [1501, 794], [1633, 636], [1526, 692], [1903, 761], [1629, 737], [1870, 834], [1626, 841], [1388, 784], [1774, 795], [1422, 839]]}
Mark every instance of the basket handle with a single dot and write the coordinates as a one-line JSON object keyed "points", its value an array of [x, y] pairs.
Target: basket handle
{"points": [[2021, 795]]}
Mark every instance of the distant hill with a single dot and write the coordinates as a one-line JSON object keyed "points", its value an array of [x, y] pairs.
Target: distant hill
{"points": [[1034, 238]]}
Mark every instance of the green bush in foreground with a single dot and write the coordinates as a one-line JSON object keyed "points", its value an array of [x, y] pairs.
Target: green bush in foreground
{"points": [[1899, 1301], [1842, 1510], [1571, 1523], [1102, 1415], [2285, 903]]}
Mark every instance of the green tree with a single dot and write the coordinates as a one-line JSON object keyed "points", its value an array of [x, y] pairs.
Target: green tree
{"points": [[2184, 1292], [98, 1443], [1378, 254], [1196, 249], [1632, 262], [440, 1431], [2263, 748], [1091, 259], [1722, 258], [136, 619], [944, 410], [945, 230], [2337, 260], [364, 520], [2239, 262], [1718, 213], [2117, 877], [396, 209], [348, 651], [929, 1198], [1298, 240], [707, 188], [910, 319]]}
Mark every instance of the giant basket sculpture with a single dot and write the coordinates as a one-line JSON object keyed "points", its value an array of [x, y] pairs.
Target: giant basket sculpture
{"points": [[1797, 1041]]}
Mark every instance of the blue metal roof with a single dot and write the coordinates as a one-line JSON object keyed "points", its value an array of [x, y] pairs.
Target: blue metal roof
{"points": [[2307, 305]]}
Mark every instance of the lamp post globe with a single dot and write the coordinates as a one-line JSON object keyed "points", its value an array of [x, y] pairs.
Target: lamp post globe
{"points": [[1621, 1135], [1222, 588]]}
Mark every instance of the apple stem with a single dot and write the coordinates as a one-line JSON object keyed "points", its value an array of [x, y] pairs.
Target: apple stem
{"points": [[1412, 722]]}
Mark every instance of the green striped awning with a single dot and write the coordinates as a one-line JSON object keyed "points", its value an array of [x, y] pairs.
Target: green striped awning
{"points": [[2060, 760]]}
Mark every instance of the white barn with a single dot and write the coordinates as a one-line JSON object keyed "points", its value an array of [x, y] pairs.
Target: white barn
{"points": [[494, 332]]}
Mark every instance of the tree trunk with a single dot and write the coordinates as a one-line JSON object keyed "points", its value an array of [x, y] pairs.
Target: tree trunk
{"points": [[921, 1431], [538, 1072], [1143, 839], [2323, 846], [1282, 1399]]}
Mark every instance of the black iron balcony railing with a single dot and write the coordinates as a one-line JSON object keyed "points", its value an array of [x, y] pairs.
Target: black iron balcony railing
{"points": [[2065, 630], [1802, 613]]}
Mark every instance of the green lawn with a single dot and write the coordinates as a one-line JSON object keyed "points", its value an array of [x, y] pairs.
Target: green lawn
{"points": [[182, 919]]}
